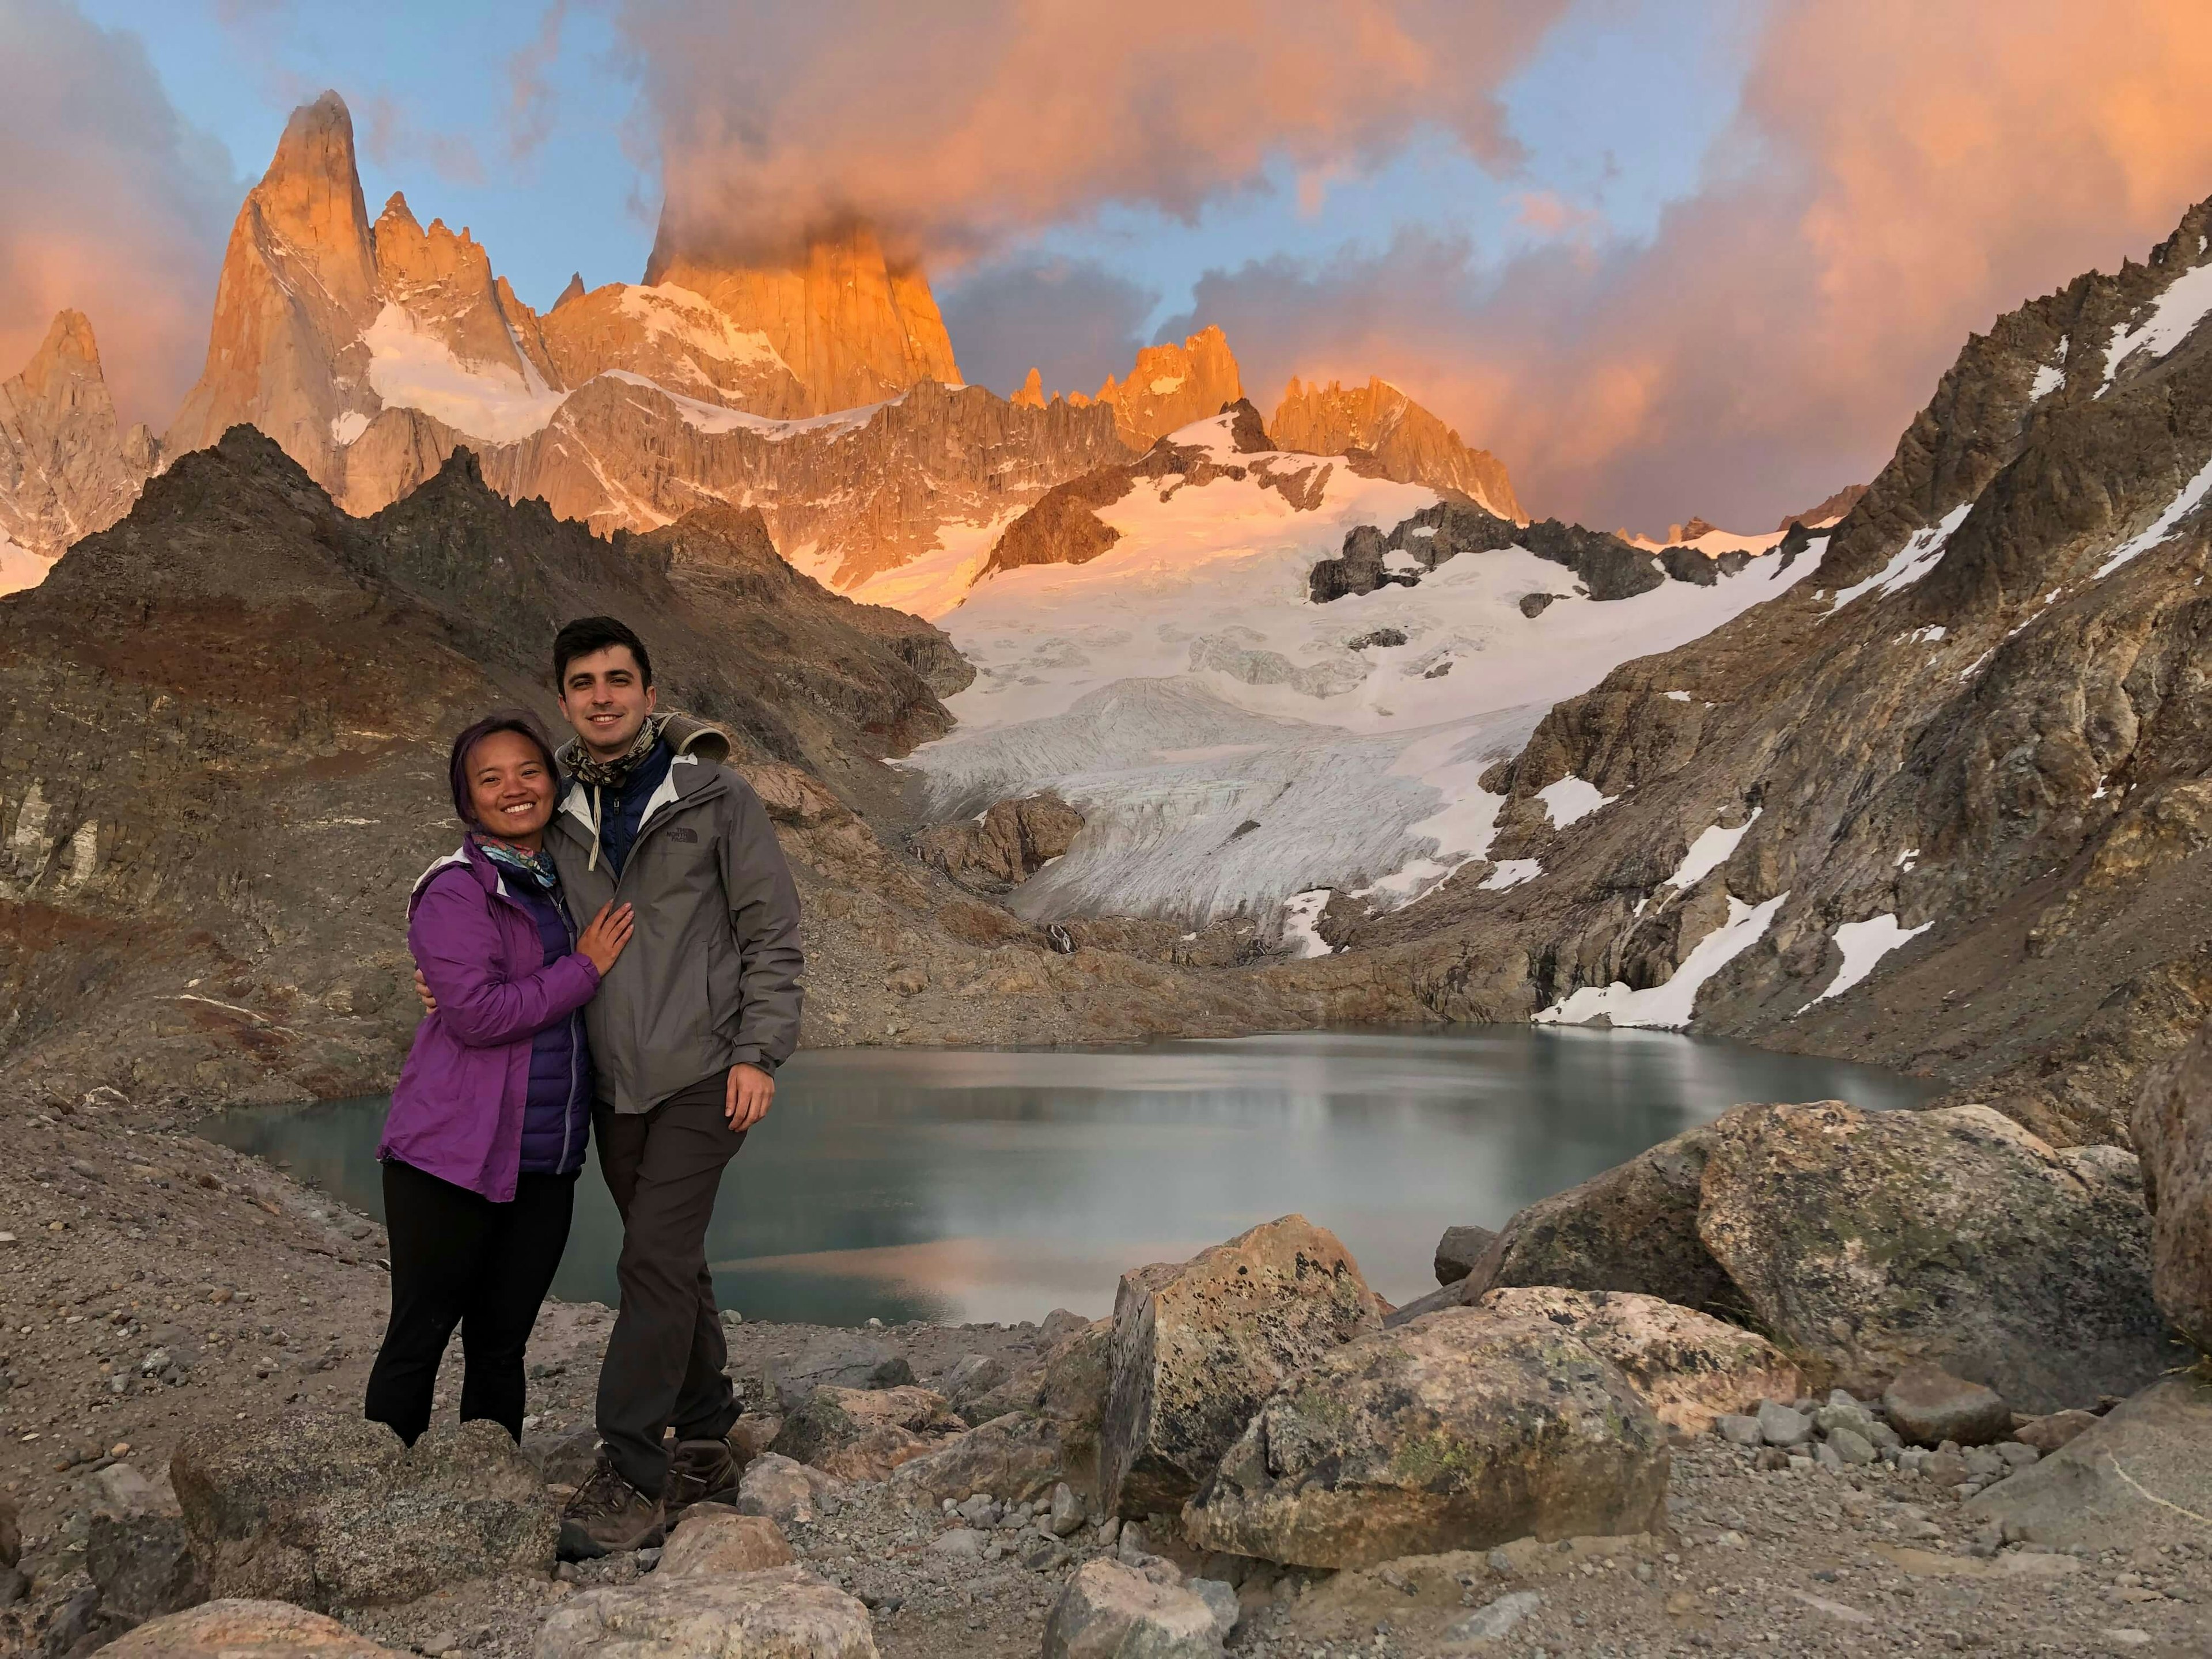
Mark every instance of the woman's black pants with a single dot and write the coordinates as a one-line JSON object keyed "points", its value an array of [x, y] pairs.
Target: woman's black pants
{"points": [[460, 1259]]}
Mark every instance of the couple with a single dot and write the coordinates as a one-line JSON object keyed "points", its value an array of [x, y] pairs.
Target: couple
{"points": [[658, 1026]]}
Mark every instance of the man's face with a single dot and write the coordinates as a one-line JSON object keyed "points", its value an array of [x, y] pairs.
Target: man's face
{"points": [[606, 700]]}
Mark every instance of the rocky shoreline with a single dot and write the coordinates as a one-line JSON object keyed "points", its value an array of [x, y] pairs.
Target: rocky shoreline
{"points": [[1644, 1418]]}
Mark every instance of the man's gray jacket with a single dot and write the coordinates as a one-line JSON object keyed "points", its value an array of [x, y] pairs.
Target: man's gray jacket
{"points": [[710, 977]]}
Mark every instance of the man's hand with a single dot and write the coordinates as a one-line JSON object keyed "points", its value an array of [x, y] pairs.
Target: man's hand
{"points": [[751, 1093], [422, 990]]}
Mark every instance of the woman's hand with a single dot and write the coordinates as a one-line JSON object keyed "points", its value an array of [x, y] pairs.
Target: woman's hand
{"points": [[603, 940]]}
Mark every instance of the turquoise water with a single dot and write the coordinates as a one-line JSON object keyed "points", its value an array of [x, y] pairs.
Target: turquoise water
{"points": [[998, 1184]]}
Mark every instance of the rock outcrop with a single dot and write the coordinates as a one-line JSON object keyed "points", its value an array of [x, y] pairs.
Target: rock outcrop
{"points": [[1463, 1429], [2172, 1127], [1405, 440], [66, 467], [1868, 1243], [785, 1612], [244, 1628], [1170, 385], [1198, 1344], [863, 1434], [326, 1511], [2138, 1482], [1110, 1611], [1013, 840]]}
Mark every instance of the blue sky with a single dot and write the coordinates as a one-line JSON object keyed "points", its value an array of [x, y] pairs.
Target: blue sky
{"points": [[1615, 115]]}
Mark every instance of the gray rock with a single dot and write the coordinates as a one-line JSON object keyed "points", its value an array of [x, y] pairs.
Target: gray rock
{"points": [[1068, 1513], [1850, 1446], [327, 1510], [1221, 1599], [1197, 1347], [143, 1564], [839, 1359], [1983, 1464], [2048, 1434], [2139, 1480], [568, 1461], [1462, 1430], [786, 1492], [1496, 1619], [1855, 1417], [1134, 1546], [1633, 1228], [960, 1544], [863, 1434], [782, 1613], [122, 1490], [1827, 1456], [1929, 1405], [1110, 1611], [1739, 1430], [1459, 1249], [1783, 1426], [2016, 1453], [1452, 1295], [974, 1375], [979, 1510], [1869, 1242]]}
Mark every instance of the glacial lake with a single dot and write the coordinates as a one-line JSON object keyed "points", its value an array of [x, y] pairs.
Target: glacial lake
{"points": [[976, 1185]]}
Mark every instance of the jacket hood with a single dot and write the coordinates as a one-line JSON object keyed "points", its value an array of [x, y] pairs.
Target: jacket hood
{"points": [[465, 857]]}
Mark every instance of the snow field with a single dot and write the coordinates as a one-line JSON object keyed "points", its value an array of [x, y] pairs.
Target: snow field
{"points": [[1671, 1004], [2178, 508], [416, 370], [1865, 944], [1913, 560], [19, 568], [2173, 317]]}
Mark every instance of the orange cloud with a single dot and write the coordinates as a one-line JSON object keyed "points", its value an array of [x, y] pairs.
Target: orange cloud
{"points": [[1900, 173], [108, 204], [956, 128]]}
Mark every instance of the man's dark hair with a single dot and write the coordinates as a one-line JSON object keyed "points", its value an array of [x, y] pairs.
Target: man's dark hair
{"points": [[588, 633], [510, 720]]}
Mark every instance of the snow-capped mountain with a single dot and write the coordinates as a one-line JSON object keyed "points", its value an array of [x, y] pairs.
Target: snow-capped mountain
{"points": [[1257, 673], [67, 468]]}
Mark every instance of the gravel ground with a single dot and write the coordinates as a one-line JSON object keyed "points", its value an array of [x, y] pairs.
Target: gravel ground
{"points": [[152, 1283]]}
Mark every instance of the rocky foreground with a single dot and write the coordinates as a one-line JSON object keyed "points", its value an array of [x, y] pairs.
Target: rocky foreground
{"points": [[1806, 1380]]}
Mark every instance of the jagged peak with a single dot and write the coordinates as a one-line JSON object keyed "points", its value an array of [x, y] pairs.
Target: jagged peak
{"points": [[317, 141], [67, 337], [573, 291], [396, 212]]}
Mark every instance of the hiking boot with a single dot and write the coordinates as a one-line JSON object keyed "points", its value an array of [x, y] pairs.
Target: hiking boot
{"points": [[609, 1516], [701, 1472]]}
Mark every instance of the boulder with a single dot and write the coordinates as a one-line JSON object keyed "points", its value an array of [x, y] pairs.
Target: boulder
{"points": [[144, 1565], [1868, 1243], [2048, 1434], [1929, 1405], [782, 1613], [1110, 1611], [2172, 1129], [1015, 1457], [1689, 1367], [1462, 1430], [1632, 1228], [1196, 1347], [863, 1434], [327, 1510], [1459, 1249], [240, 1629], [784, 1491], [2141, 1478], [838, 1359], [713, 1538]]}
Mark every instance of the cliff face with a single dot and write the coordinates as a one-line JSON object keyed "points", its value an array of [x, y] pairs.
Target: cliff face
{"points": [[853, 328], [66, 468], [298, 290], [1171, 386], [1943, 804], [1408, 443]]}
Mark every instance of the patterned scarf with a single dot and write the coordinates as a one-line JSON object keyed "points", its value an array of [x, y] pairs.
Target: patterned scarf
{"points": [[535, 868], [594, 773]]}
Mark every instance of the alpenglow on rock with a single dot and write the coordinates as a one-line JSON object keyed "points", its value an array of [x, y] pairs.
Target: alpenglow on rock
{"points": [[1408, 443], [1198, 1344], [66, 468]]}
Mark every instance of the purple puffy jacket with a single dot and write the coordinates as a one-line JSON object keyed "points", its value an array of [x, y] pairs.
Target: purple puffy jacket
{"points": [[458, 1111]]}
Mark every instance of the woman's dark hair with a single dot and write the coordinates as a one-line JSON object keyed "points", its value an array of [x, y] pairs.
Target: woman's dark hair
{"points": [[508, 719], [588, 633]]}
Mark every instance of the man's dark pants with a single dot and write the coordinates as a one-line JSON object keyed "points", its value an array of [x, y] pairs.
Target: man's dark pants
{"points": [[665, 1361]]}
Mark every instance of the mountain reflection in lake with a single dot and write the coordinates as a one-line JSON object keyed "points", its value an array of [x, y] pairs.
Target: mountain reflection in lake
{"points": [[996, 1185]]}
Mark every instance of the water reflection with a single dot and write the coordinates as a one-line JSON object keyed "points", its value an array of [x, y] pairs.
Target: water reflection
{"points": [[1000, 1184]]}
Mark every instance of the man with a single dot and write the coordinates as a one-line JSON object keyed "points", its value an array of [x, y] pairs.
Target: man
{"points": [[686, 1033]]}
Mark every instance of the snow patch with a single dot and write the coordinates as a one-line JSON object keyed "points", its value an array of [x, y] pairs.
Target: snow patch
{"points": [[1300, 912], [1671, 1004], [1678, 696], [1712, 848], [2047, 380], [1865, 944], [1572, 800], [692, 321], [345, 428], [1929, 635], [2176, 510], [1165, 384], [414, 369], [1511, 873], [1913, 560], [2174, 315], [714, 418]]}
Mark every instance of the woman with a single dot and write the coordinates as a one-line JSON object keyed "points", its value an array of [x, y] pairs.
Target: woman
{"points": [[487, 1130]]}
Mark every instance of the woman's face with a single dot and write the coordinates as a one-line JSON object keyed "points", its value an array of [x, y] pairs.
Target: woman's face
{"points": [[510, 786]]}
